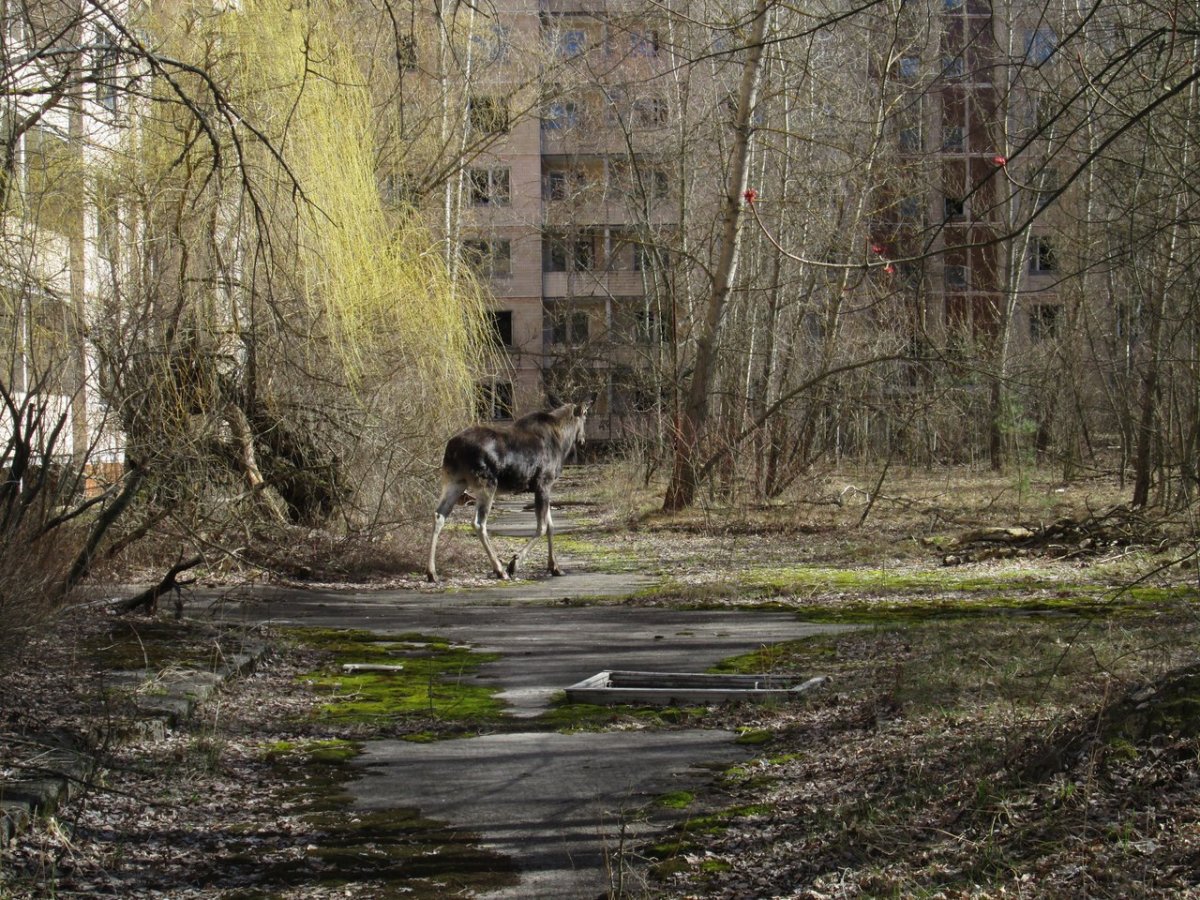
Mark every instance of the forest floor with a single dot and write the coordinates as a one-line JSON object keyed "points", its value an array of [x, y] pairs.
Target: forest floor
{"points": [[1018, 714]]}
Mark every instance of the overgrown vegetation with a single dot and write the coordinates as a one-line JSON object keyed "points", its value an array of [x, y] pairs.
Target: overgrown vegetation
{"points": [[974, 756], [1024, 724], [245, 346], [421, 686]]}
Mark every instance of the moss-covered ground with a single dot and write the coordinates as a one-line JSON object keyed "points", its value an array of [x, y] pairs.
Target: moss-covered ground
{"points": [[407, 678], [1015, 727], [372, 853]]}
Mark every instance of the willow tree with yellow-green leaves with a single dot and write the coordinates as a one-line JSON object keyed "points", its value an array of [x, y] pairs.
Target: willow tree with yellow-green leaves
{"points": [[278, 346], [405, 337]]}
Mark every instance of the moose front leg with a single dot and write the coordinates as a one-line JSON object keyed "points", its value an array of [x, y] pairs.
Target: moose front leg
{"points": [[541, 507], [550, 563]]}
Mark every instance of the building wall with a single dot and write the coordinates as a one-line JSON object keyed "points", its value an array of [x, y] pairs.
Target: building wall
{"points": [[56, 240], [963, 221], [571, 267]]}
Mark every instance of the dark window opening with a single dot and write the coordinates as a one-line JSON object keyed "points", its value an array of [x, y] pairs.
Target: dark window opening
{"points": [[563, 184], [649, 112], [645, 42], [490, 187], [406, 52], [489, 258], [488, 115], [496, 400], [956, 277], [1043, 321], [1042, 258], [634, 392], [560, 115], [502, 327], [107, 60], [565, 328], [565, 254]]}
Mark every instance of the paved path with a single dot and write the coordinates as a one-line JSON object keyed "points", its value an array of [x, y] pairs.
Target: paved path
{"points": [[565, 806], [559, 804]]}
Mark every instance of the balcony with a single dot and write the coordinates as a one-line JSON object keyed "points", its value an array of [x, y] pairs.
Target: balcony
{"points": [[589, 284], [574, 212]]}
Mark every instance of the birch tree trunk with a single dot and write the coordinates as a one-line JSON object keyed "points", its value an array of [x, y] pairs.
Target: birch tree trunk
{"points": [[690, 427]]}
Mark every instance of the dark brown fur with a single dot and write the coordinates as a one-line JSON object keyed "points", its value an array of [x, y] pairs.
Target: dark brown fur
{"points": [[513, 458]]}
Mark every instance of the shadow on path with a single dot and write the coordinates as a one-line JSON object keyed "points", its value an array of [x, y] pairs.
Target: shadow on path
{"points": [[560, 804]]}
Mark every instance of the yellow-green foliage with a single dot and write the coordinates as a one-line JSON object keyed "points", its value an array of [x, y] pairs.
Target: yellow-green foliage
{"points": [[275, 182], [382, 287]]}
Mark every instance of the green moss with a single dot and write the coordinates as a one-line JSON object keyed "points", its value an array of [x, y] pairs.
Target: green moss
{"points": [[784, 758], [1121, 749], [572, 717], [397, 851], [753, 737], [874, 596], [131, 644], [599, 558], [769, 582], [676, 800], [670, 854], [435, 678], [333, 750], [765, 659], [423, 737], [683, 838], [1157, 595]]}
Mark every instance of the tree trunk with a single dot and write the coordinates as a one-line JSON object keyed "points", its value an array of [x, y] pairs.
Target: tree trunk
{"points": [[1145, 435], [83, 560], [689, 429]]}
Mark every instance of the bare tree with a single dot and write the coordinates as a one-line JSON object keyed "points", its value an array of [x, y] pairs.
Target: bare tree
{"points": [[215, 330]]}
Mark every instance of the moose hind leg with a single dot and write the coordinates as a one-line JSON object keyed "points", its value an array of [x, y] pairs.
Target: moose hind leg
{"points": [[451, 493], [483, 506]]}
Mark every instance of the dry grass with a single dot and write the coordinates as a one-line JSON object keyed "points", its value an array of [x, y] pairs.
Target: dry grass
{"points": [[967, 745]]}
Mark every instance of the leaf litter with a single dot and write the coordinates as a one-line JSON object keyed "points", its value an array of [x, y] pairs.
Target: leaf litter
{"points": [[950, 758]]}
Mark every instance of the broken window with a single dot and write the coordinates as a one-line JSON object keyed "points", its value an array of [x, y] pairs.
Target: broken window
{"points": [[502, 327], [488, 115], [490, 187]]}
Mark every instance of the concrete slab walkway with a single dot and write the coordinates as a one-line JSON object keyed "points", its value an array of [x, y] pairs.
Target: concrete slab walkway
{"points": [[558, 804], [567, 807]]}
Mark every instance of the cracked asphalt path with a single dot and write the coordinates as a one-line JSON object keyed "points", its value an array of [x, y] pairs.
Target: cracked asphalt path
{"points": [[561, 805]]}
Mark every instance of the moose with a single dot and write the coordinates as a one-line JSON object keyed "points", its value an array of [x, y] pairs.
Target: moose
{"points": [[509, 458]]}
